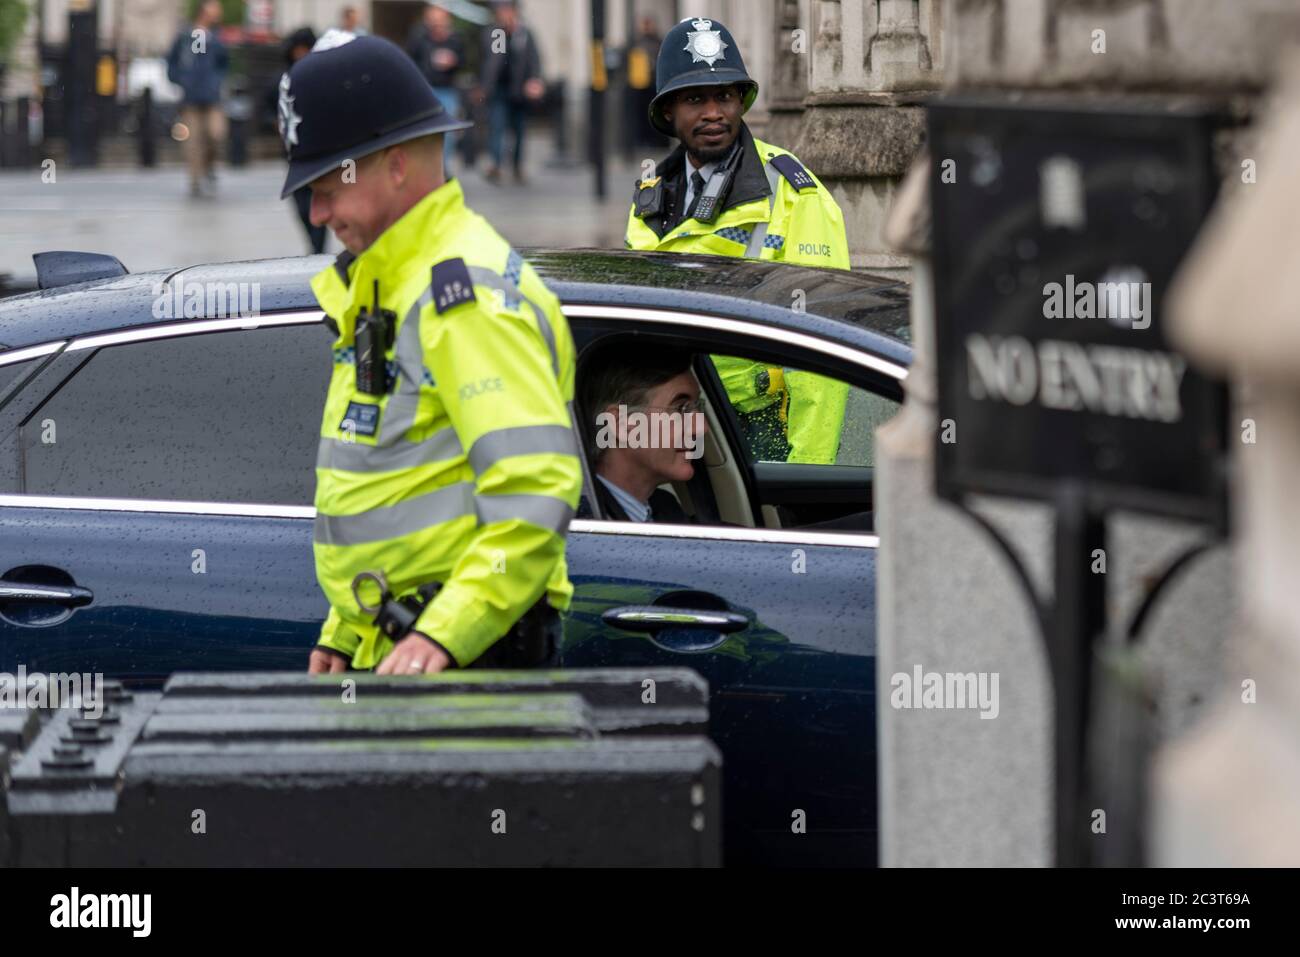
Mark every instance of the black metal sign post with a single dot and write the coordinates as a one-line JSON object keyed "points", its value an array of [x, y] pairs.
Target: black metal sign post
{"points": [[1057, 230], [1079, 622]]}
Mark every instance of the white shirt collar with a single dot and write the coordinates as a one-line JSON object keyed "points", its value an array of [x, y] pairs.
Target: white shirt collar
{"points": [[637, 510]]}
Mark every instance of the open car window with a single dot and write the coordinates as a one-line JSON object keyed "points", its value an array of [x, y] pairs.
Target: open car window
{"points": [[787, 446], [788, 414]]}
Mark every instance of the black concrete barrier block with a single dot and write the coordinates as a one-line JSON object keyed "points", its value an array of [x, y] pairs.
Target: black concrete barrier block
{"points": [[623, 700], [621, 801], [18, 726], [550, 716], [286, 770]]}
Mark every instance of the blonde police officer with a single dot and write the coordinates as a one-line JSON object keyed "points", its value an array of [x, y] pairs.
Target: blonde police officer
{"points": [[448, 470], [727, 193]]}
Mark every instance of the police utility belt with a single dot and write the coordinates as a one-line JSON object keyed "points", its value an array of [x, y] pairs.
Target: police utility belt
{"points": [[529, 642]]}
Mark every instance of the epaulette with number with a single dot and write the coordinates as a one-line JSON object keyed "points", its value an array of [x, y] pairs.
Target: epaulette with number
{"points": [[794, 173], [451, 285]]}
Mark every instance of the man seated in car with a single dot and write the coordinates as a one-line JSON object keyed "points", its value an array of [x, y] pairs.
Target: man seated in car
{"points": [[643, 404]]}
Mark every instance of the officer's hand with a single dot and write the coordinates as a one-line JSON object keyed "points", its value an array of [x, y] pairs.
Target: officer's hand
{"points": [[323, 662], [414, 655], [534, 88]]}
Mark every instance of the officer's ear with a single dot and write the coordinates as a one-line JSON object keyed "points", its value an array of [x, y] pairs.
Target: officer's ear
{"points": [[397, 163]]}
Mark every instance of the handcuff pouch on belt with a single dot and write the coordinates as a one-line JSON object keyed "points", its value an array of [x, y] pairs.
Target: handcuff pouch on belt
{"points": [[529, 642], [394, 617]]}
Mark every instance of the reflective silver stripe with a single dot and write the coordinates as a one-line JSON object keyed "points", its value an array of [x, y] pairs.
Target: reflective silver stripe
{"points": [[540, 510], [394, 521], [773, 181], [486, 277], [398, 417], [358, 457], [549, 335], [492, 447], [755, 248], [407, 350]]}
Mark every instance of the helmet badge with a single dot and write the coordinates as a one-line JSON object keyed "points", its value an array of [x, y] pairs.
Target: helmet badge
{"points": [[288, 117], [704, 43]]}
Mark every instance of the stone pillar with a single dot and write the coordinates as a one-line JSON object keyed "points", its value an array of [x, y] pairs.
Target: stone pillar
{"points": [[789, 72], [870, 64], [956, 789], [1229, 795], [952, 785]]}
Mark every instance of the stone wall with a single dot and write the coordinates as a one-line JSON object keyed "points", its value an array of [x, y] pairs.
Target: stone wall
{"points": [[850, 88]]}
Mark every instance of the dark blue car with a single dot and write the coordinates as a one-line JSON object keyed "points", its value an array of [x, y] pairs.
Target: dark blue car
{"points": [[156, 482]]}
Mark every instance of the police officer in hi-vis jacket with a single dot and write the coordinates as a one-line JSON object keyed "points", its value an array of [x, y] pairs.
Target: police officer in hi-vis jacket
{"points": [[448, 470], [727, 193]]}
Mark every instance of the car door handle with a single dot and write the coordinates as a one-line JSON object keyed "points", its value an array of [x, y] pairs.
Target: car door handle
{"points": [[658, 618], [70, 596]]}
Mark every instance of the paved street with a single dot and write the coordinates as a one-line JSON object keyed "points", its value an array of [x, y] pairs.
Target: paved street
{"points": [[147, 220]]}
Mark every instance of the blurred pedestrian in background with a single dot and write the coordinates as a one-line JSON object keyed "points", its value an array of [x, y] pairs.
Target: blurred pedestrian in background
{"points": [[641, 55], [512, 79], [296, 46], [439, 52], [350, 21], [197, 64]]}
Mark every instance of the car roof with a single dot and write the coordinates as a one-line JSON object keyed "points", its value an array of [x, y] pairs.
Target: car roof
{"points": [[869, 312]]}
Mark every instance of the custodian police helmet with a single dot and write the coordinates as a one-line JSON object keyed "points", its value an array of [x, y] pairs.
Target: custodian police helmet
{"points": [[697, 52], [350, 97]]}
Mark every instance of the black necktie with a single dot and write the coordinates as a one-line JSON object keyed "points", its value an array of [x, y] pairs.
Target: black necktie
{"points": [[697, 183]]}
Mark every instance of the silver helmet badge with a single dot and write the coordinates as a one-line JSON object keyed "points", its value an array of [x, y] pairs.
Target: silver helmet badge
{"points": [[704, 43]]}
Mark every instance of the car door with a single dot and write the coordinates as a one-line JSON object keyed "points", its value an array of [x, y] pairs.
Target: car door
{"points": [[156, 507], [780, 621]]}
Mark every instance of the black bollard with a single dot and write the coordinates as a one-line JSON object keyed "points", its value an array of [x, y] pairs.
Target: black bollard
{"points": [[145, 132]]}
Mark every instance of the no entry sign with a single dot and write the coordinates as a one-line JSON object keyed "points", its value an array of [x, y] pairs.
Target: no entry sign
{"points": [[1056, 234]]}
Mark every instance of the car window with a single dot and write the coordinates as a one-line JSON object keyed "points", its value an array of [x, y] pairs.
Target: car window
{"points": [[13, 374], [221, 417], [790, 415]]}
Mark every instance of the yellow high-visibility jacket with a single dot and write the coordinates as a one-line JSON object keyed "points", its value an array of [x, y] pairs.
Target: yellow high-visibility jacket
{"points": [[776, 210], [466, 472]]}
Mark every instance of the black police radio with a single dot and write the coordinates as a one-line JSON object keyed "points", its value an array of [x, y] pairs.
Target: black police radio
{"points": [[374, 337], [717, 188]]}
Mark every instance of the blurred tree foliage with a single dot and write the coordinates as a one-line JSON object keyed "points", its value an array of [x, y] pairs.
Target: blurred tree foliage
{"points": [[232, 11], [13, 16]]}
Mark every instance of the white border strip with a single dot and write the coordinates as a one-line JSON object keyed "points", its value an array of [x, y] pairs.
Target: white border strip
{"points": [[31, 352], [157, 505], [741, 327], [770, 536], [726, 533], [196, 327]]}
